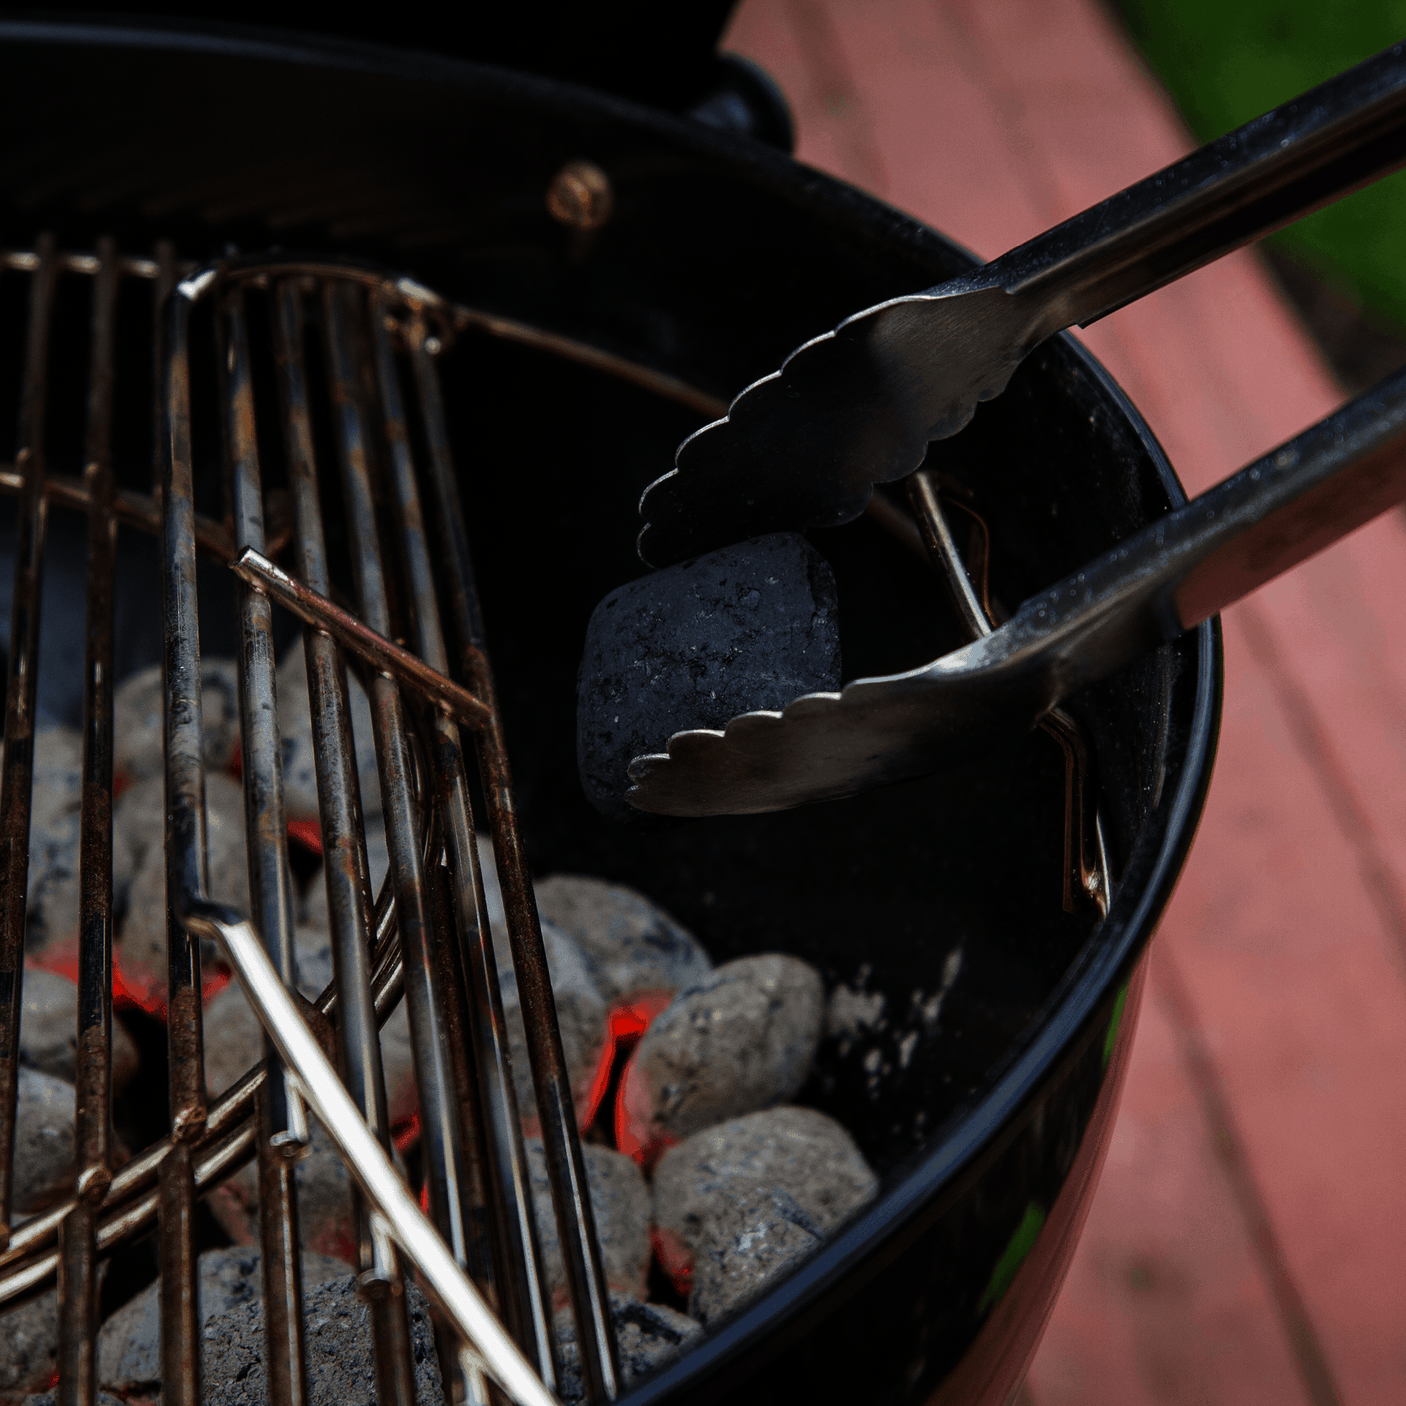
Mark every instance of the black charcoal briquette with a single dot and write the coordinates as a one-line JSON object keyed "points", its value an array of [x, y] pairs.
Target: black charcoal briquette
{"points": [[746, 628]]}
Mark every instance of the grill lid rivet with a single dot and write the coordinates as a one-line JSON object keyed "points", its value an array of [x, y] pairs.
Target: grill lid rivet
{"points": [[580, 196]]}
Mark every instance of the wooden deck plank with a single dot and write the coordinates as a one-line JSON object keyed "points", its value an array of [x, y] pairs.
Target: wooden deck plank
{"points": [[1338, 622], [992, 119], [1300, 996], [1164, 1264]]}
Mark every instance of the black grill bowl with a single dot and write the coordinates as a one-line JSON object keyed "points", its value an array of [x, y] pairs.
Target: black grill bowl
{"points": [[989, 1129]]}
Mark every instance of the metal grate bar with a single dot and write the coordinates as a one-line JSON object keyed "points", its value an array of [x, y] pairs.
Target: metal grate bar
{"points": [[523, 1297], [263, 984], [561, 1142], [29, 260], [131, 509], [226, 1145], [445, 1168], [186, 877], [78, 1298], [17, 767], [344, 852], [374, 649], [491, 1353], [483, 1266], [283, 1131]]}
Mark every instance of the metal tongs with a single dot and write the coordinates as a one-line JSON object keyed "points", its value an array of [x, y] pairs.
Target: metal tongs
{"points": [[1176, 572], [859, 406]]}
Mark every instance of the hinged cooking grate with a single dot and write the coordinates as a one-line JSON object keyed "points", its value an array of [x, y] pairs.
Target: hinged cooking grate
{"points": [[321, 376]]}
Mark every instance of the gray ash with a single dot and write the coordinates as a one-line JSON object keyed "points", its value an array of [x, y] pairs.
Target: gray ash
{"points": [[129, 1343], [630, 943], [341, 1371], [621, 1204], [649, 1336], [742, 1039]]}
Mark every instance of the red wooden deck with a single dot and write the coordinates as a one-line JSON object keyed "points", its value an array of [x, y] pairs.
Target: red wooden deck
{"points": [[1248, 1240]]}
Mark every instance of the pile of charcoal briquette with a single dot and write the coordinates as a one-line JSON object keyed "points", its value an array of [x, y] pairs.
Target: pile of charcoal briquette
{"points": [[707, 1181]]}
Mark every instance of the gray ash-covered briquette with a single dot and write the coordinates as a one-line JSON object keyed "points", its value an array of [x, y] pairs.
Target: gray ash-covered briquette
{"points": [[620, 1202], [314, 931], [138, 829], [49, 1031], [325, 1223], [296, 739], [234, 1043], [581, 1015], [746, 628], [52, 896], [340, 1366], [51, 1398], [757, 1233], [742, 1039], [648, 1334], [30, 1333], [139, 731], [800, 1152], [631, 945], [43, 1158], [129, 1343], [234, 1040], [141, 940]]}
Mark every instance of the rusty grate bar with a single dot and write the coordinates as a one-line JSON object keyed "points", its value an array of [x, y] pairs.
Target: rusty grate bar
{"points": [[78, 1297], [484, 1349], [374, 649], [565, 1168], [266, 986], [21, 684], [130, 1207], [283, 1131], [187, 879], [450, 1194], [518, 1253]]}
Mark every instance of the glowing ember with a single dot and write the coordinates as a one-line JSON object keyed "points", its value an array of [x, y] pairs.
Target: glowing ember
{"points": [[307, 833], [130, 989], [623, 1027], [675, 1258], [406, 1132], [637, 1135]]}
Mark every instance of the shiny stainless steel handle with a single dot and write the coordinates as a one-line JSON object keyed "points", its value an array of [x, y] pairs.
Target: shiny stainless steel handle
{"points": [[1254, 526], [1248, 183], [859, 405], [1286, 506]]}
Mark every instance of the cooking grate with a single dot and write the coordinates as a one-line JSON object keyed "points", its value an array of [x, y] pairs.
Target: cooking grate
{"points": [[353, 349]]}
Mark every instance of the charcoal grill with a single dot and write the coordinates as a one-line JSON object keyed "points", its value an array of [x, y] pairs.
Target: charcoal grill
{"points": [[544, 395]]}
